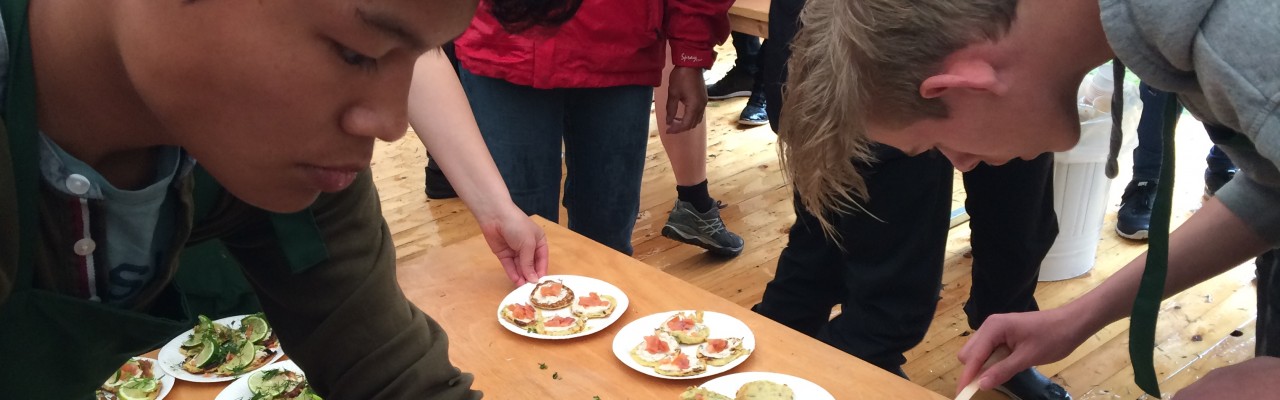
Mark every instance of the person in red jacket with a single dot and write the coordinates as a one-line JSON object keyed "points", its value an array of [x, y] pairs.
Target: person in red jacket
{"points": [[586, 85]]}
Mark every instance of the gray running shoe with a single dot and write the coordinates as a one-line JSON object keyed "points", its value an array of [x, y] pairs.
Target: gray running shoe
{"points": [[705, 230]]}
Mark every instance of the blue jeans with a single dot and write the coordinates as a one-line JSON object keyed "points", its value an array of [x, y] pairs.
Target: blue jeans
{"points": [[604, 132], [1146, 157]]}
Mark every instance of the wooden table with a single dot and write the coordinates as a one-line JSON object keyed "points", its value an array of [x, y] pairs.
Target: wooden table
{"points": [[750, 17], [460, 286]]}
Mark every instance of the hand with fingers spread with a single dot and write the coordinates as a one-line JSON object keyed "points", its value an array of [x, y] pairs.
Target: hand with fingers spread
{"points": [[520, 244], [686, 99], [1033, 338]]}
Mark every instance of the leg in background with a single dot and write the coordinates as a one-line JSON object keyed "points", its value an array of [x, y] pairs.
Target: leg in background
{"points": [[893, 263], [740, 79], [1268, 325], [1133, 221], [1013, 225], [1219, 169], [695, 218], [522, 127], [605, 140]]}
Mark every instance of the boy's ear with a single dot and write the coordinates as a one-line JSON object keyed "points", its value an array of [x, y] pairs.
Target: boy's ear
{"points": [[972, 74]]}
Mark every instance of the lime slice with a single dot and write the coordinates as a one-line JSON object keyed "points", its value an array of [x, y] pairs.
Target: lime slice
{"points": [[255, 328], [205, 358], [192, 340], [139, 389], [242, 358], [203, 327], [268, 384]]}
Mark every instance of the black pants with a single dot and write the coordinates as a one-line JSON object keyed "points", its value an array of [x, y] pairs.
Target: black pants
{"points": [[1268, 326], [888, 278]]}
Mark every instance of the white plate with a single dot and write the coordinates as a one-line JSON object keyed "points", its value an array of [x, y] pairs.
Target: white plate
{"points": [[239, 390], [166, 380], [728, 385], [171, 358], [722, 326], [581, 286]]}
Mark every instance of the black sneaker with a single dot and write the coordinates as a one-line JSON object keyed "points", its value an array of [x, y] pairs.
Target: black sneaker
{"points": [[1134, 219], [737, 83], [438, 186], [1031, 385], [1214, 180], [754, 114]]}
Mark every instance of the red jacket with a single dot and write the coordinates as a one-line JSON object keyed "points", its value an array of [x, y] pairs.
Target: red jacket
{"points": [[606, 43]]}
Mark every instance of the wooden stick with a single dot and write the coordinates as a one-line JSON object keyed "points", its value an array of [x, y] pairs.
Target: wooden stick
{"points": [[972, 388]]}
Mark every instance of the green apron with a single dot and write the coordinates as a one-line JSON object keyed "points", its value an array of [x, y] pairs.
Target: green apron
{"points": [[54, 346]]}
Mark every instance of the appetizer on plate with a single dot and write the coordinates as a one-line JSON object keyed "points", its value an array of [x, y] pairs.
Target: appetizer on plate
{"points": [[679, 364], [593, 305], [133, 381], [523, 315], [280, 384], [764, 390], [551, 295], [687, 329], [719, 352], [655, 347], [560, 326], [218, 350], [697, 393]]}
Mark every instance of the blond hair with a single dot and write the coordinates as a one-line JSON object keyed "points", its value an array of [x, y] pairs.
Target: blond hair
{"points": [[853, 61]]}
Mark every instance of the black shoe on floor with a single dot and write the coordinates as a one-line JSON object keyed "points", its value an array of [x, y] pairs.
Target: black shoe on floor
{"points": [[1134, 219], [737, 83], [754, 114], [1214, 180], [1031, 385], [438, 186]]}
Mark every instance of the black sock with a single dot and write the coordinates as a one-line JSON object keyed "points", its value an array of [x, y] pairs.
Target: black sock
{"points": [[696, 195]]}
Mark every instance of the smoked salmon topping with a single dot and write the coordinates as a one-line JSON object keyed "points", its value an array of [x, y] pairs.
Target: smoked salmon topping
{"points": [[128, 371], [653, 345], [551, 289], [521, 311], [680, 323], [680, 361], [592, 300], [560, 322], [716, 345]]}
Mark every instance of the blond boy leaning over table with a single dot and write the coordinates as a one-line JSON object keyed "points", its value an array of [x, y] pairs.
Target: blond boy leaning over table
{"points": [[991, 80]]}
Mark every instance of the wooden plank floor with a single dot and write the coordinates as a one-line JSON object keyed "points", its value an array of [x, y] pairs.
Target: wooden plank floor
{"points": [[1201, 329]]}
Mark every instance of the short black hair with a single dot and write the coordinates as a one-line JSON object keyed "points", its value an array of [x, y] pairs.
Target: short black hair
{"points": [[519, 15]]}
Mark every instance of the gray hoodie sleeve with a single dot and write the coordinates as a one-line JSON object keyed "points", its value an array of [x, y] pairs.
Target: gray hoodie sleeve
{"points": [[1220, 57]]}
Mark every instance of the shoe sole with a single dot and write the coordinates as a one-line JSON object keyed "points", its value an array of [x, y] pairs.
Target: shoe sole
{"points": [[740, 93], [675, 234], [752, 123], [1139, 235]]}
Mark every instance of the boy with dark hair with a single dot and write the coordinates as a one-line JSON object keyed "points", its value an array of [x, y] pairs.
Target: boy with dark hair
{"points": [[106, 108]]}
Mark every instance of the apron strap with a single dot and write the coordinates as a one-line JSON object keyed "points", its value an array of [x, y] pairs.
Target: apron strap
{"points": [[1146, 306], [20, 120], [297, 233]]}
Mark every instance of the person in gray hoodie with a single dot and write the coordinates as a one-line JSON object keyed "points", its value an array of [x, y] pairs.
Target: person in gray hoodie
{"points": [[992, 80]]}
